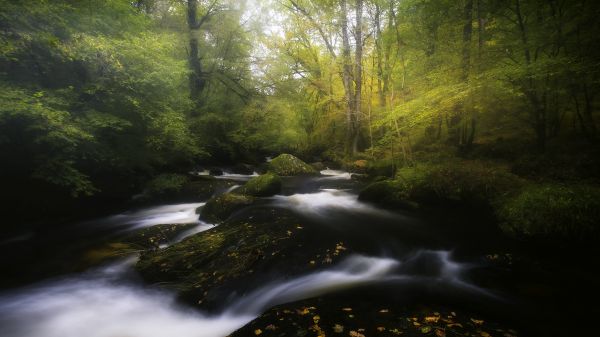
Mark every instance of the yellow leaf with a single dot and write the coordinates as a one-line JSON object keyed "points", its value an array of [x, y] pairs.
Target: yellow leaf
{"points": [[477, 321], [257, 332], [432, 319], [338, 328]]}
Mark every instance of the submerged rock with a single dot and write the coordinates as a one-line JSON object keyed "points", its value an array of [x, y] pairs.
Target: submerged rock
{"points": [[219, 208], [288, 165], [265, 185]]}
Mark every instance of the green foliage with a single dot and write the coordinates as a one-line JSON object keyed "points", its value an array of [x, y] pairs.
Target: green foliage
{"points": [[90, 90], [552, 210], [166, 183]]}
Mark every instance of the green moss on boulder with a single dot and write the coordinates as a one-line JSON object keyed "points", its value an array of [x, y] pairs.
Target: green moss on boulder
{"points": [[551, 210], [288, 165], [218, 209], [262, 186], [208, 266]]}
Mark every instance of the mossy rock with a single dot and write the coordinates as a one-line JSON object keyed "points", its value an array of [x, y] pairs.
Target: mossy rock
{"points": [[262, 186], [206, 267], [219, 208], [177, 187], [149, 238], [288, 165], [552, 210]]}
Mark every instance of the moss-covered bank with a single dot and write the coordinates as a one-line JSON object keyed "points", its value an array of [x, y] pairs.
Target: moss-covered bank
{"points": [[523, 208]]}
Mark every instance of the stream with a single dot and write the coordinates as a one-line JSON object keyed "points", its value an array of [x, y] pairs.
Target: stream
{"points": [[407, 257]]}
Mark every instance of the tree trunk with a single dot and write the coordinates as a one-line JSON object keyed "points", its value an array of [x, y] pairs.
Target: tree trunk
{"points": [[196, 77], [347, 77], [358, 76]]}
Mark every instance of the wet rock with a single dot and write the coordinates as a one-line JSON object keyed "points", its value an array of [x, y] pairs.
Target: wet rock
{"points": [[288, 165], [244, 169], [356, 316], [262, 186], [219, 208], [238, 254], [175, 187], [319, 166], [143, 239], [215, 171]]}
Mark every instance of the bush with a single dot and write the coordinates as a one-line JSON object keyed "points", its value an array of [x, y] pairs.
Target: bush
{"points": [[464, 181], [551, 210]]}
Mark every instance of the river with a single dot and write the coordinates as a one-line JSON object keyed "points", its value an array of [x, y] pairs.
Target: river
{"points": [[404, 254]]}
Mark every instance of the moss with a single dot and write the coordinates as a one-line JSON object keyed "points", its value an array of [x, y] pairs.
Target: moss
{"points": [[262, 186], [206, 267], [469, 182], [143, 239], [387, 193], [288, 165], [166, 184], [551, 210], [218, 209]]}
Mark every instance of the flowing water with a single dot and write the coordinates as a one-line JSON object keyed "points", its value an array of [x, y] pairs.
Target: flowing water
{"points": [[110, 301]]}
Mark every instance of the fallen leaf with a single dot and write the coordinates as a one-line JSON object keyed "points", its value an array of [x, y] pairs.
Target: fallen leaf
{"points": [[338, 328], [380, 329], [271, 327], [383, 311], [485, 334], [347, 309], [426, 329], [477, 321], [257, 332], [316, 318], [432, 319], [356, 334], [303, 311], [440, 333]]}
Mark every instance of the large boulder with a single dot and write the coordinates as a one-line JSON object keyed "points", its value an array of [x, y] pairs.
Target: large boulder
{"points": [[288, 165], [262, 186], [205, 268], [219, 208], [177, 187]]}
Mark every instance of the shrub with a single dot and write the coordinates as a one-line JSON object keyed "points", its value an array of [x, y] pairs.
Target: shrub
{"points": [[552, 210]]}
